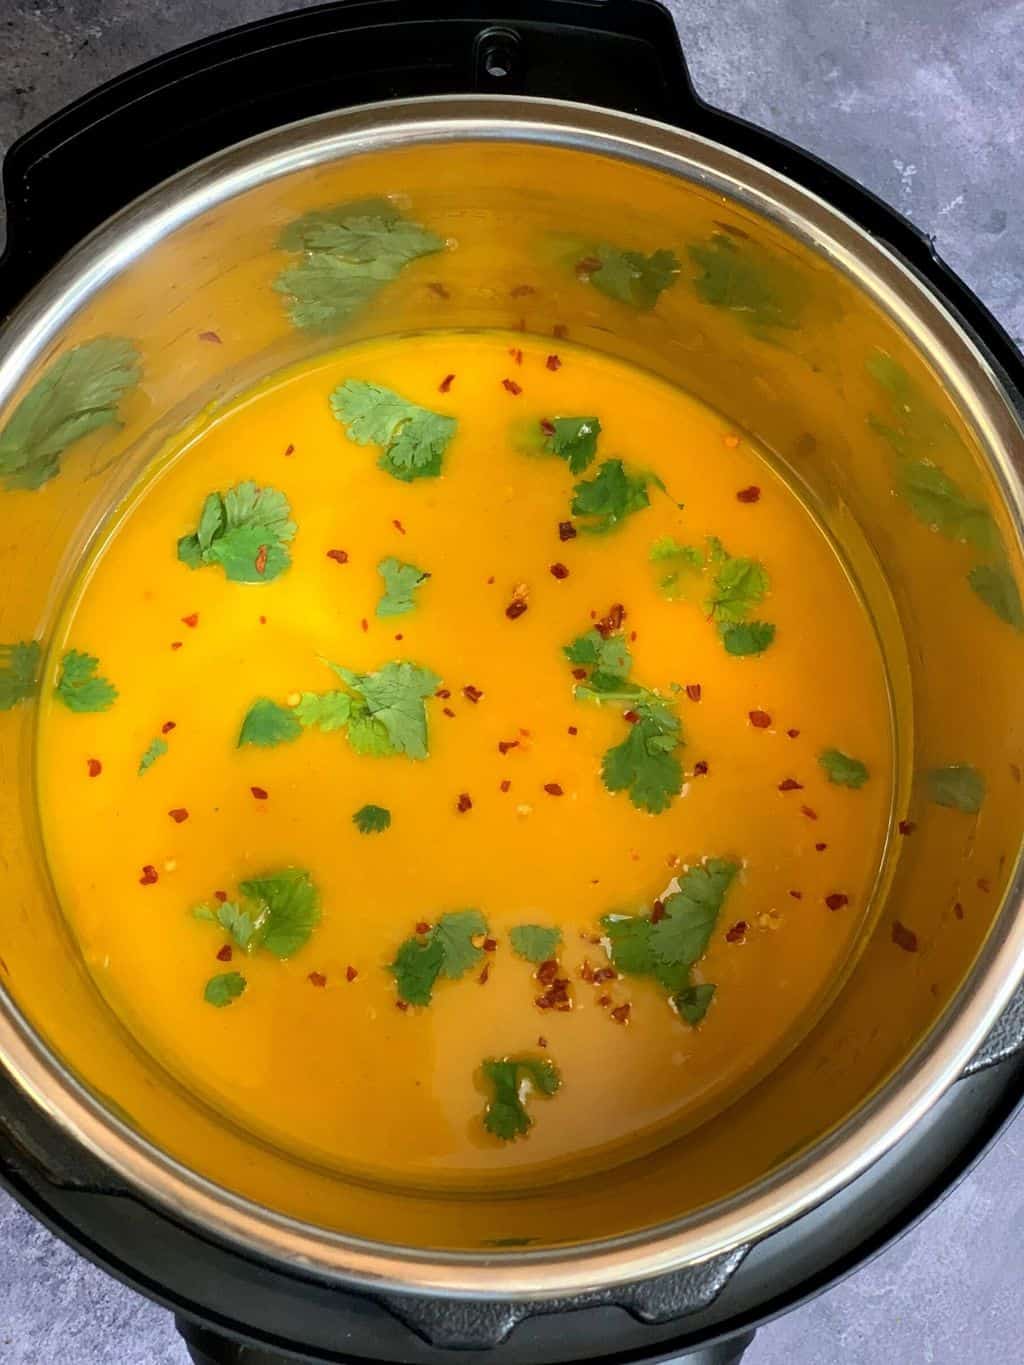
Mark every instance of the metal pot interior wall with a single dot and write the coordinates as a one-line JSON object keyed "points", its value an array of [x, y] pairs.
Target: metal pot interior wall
{"points": [[835, 386]]}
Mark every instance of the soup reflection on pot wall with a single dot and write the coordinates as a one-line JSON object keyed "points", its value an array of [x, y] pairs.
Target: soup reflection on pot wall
{"points": [[717, 276]]}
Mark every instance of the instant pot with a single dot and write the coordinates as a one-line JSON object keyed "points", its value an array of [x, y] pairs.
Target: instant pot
{"points": [[152, 209]]}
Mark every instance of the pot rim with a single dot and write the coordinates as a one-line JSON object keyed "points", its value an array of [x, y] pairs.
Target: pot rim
{"points": [[939, 1058]]}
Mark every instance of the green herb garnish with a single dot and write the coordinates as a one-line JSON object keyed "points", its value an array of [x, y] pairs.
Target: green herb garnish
{"points": [[613, 494], [535, 942], [414, 439], [350, 252], [78, 394], [747, 637], [958, 786], [387, 714], [156, 749], [630, 276], [400, 582], [222, 989], [324, 711], [267, 724], [372, 819], [940, 503], [746, 281], [246, 531], [574, 439], [445, 949], [692, 1002], [513, 1079], [80, 688], [997, 588], [738, 586], [277, 911], [843, 770], [19, 673]]}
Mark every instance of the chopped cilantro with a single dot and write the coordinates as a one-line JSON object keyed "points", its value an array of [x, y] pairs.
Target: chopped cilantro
{"points": [[277, 911], [997, 588], [413, 439], [739, 586], [610, 496], [940, 503], [675, 565], [745, 280], [19, 673], [324, 711], [843, 770], [446, 949], [372, 819], [958, 786], [77, 394], [246, 531], [607, 655], [400, 582], [79, 687], [645, 764], [266, 724], [239, 923], [513, 1079], [630, 276], [692, 1002], [351, 252], [535, 942], [156, 749], [746, 637], [574, 439], [223, 988], [387, 714]]}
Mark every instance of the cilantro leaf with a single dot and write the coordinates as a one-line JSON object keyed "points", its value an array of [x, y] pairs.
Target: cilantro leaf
{"points": [[513, 1079], [997, 588], [446, 949], [324, 711], [156, 749], [351, 252], [746, 637], [745, 280], [222, 989], [606, 655], [630, 276], [77, 394], [400, 582], [19, 673], [574, 439], [610, 496], [843, 770], [392, 717], [535, 942], [79, 687], [266, 724], [939, 503], [629, 937], [372, 819], [916, 426], [287, 909], [692, 1002], [739, 586], [246, 531], [645, 764], [676, 565], [958, 786], [414, 439], [237, 922]]}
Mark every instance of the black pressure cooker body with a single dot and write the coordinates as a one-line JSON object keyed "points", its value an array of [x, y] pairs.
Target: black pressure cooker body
{"points": [[60, 182]]}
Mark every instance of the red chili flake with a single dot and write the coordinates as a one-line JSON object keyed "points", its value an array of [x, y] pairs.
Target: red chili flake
{"points": [[792, 733], [317, 979], [621, 1013], [263, 620], [399, 636], [547, 971], [547, 426], [984, 884], [700, 768], [553, 789], [559, 571], [605, 974], [519, 291], [516, 354], [632, 637], [735, 932], [516, 608], [573, 730], [168, 726], [436, 287], [510, 386], [505, 785], [631, 717], [447, 711], [398, 526], [489, 945], [191, 620], [446, 383], [402, 1005], [587, 971], [484, 975], [442, 693], [505, 744], [797, 895], [542, 1041], [289, 449], [260, 793], [587, 266], [837, 900], [693, 691], [94, 766], [579, 674], [790, 784], [261, 559], [339, 556], [566, 531], [364, 624], [350, 973], [422, 927], [903, 937], [553, 362], [604, 1001], [149, 875], [210, 336], [220, 896], [612, 622], [490, 580], [958, 910], [658, 911], [821, 847], [750, 494], [811, 814], [464, 803], [525, 733], [906, 827], [179, 815], [472, 693], [760, 720], [225, 954], [175, 644], [560, 331]]}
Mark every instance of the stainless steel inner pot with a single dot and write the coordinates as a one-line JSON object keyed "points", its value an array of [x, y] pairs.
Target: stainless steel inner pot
{"points": [[195, 253]]}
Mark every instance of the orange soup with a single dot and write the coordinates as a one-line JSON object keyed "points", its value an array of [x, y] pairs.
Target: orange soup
{"points": [[466, 764]]}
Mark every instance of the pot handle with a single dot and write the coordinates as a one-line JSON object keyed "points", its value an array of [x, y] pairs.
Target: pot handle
{"points": [[71, 173]]}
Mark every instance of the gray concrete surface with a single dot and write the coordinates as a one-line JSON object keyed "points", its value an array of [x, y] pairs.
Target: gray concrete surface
{"points": [[923, 101]]}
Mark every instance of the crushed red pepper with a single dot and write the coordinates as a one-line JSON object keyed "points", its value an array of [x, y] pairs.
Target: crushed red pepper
{"points": [[175, 644], [612, 622], [505, 744], [797, 895], [225, 954], [484, 975], [903, 937], [559, 571], [489, 945], [510, 386], [542, 1041], [553, 789], [168, 726], [984, 884], [693, 691], [317, 979], [443, 693], [790, 784], [736, 932], [464, 803], [958, 910], [750, 494], [760, 720], [700, 768], [630, 717], [567, 531], [547, 426], [422, 927], [587, 266], [505, 785], [516, 354], [447, 711], [149, 875], [210, 336], [350, 973], [621, 1013], [837, 900], [261, 559], [519, 291], [402, 1005], [94, 767], [810, 813], [820, 848], [339, 556], [192, 620], [179, 815], [516, 608], [579, 674], [572, 730], [553, 362], [658, 911], [906, 826], [446, 383], [441, 290], [792, 733], [472, 693], [260, 793], [398, 526], [289, 449], [220, 896], [364, 624]]}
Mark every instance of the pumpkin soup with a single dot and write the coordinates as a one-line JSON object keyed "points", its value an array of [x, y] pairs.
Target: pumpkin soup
{"points": [[465, 760]]}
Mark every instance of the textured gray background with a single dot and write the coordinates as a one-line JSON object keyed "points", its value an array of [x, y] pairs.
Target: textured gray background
{"points": [[921, 100]]}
